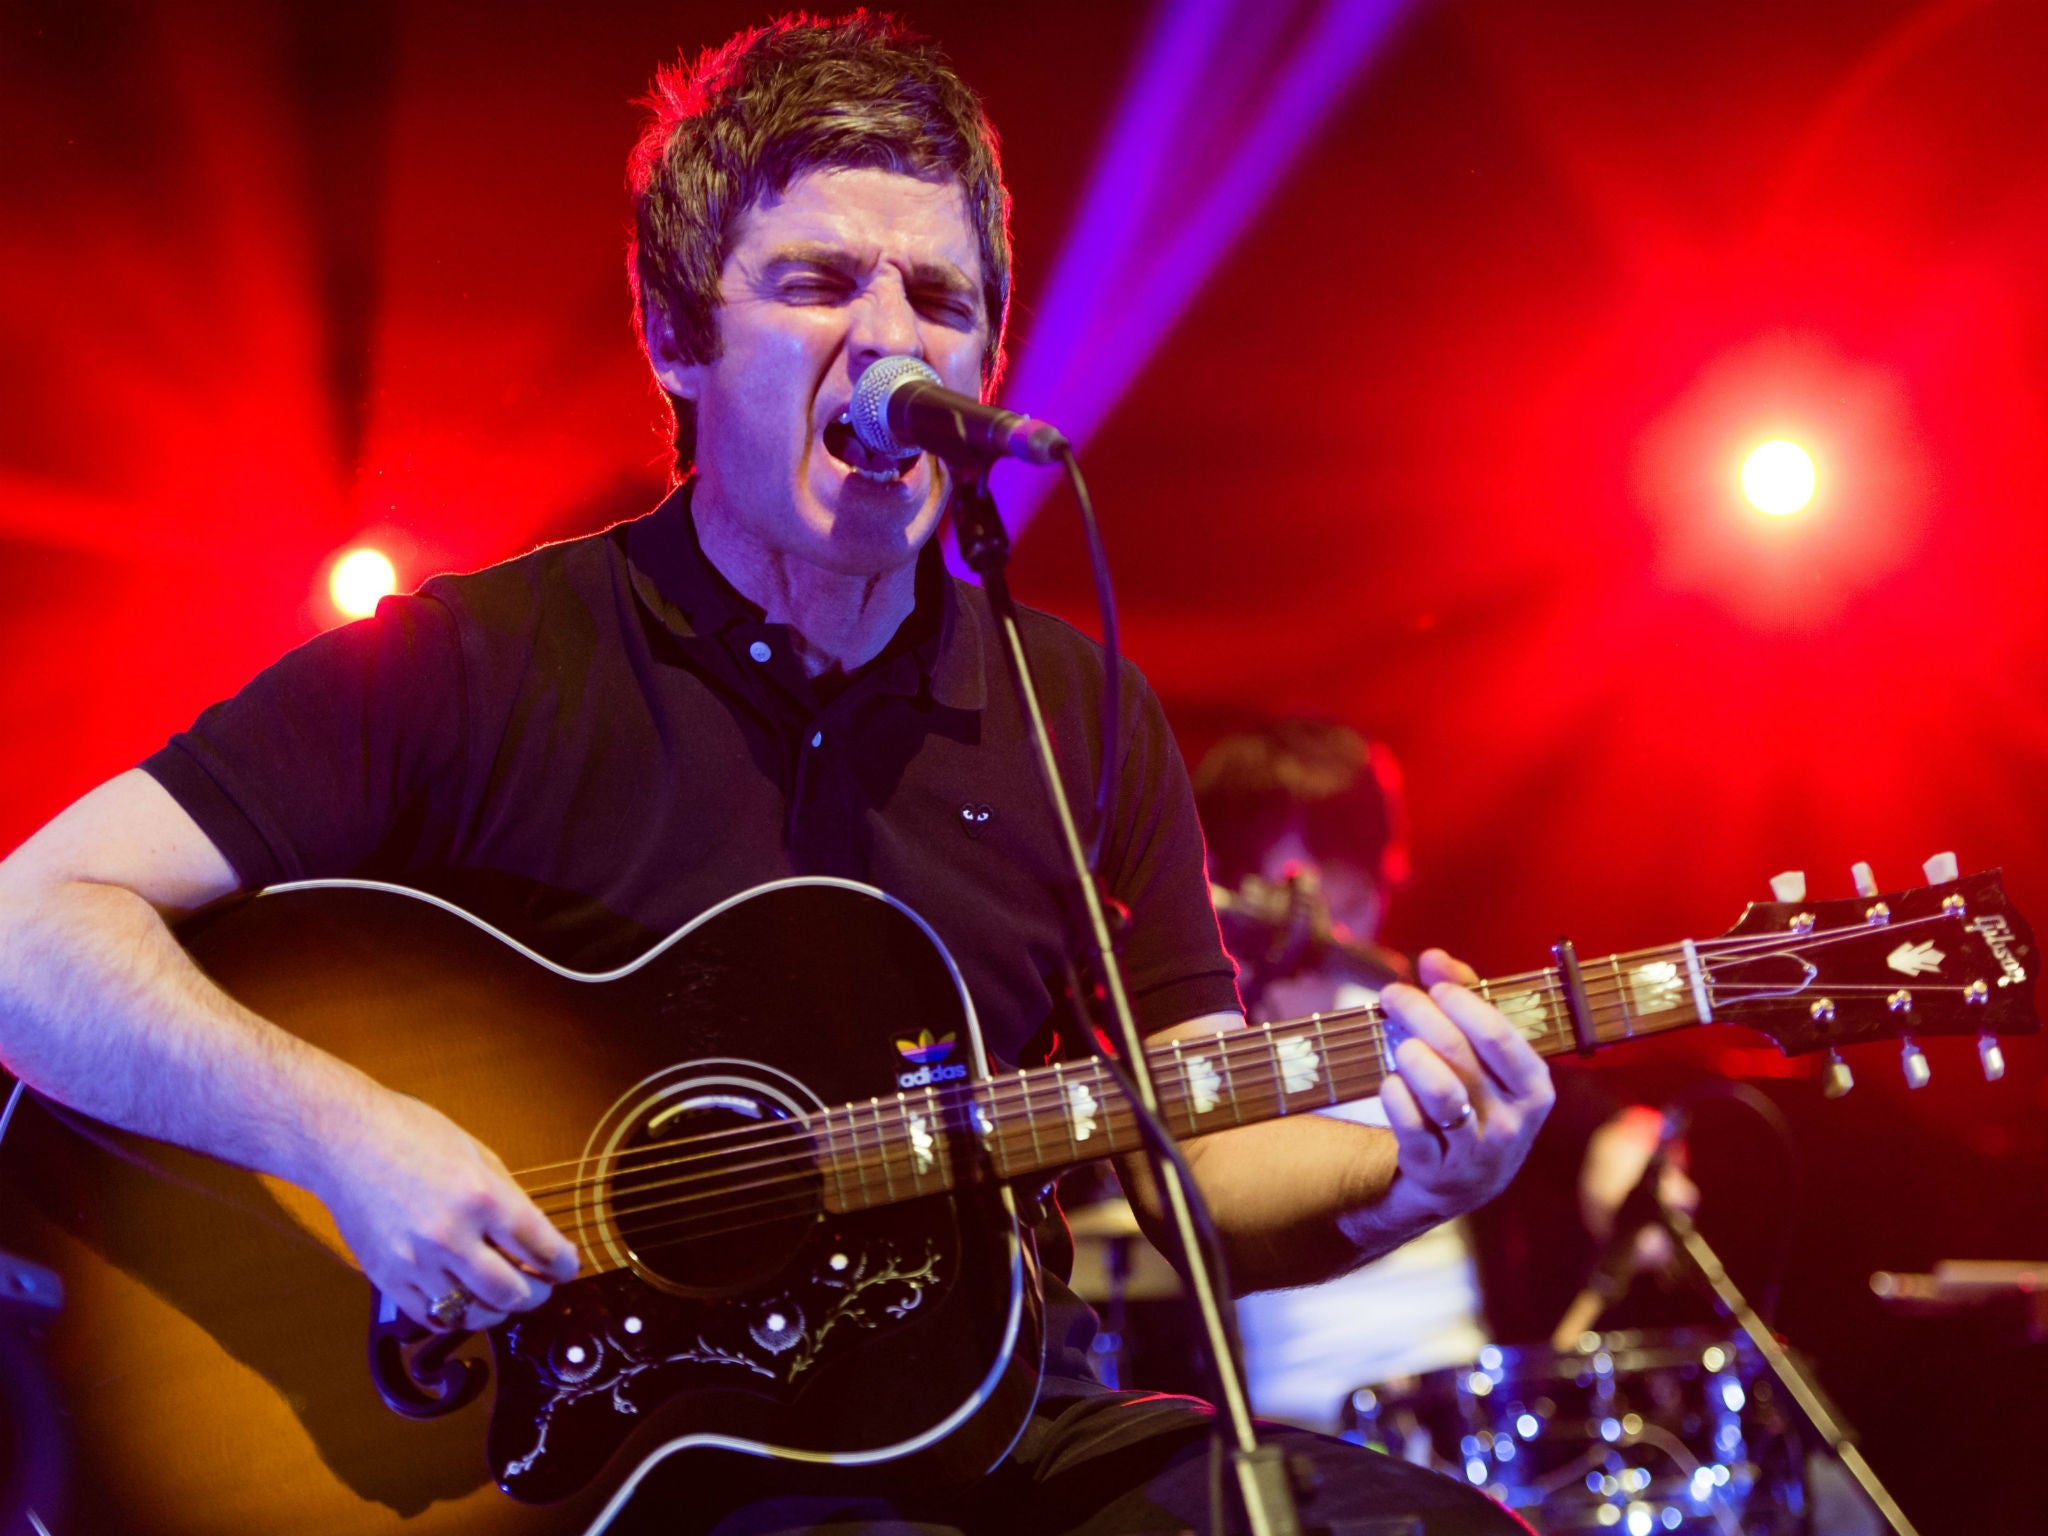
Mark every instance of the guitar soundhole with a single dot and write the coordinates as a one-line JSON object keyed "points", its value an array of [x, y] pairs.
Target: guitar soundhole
{"points": [[712, 1195]]}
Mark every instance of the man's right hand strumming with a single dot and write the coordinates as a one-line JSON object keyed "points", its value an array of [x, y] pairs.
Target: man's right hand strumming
{"points": [[101, 1009], [428, 1210]]}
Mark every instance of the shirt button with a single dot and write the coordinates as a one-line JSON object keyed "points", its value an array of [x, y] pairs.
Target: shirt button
{"points": [[817, 738], [759, 650]]}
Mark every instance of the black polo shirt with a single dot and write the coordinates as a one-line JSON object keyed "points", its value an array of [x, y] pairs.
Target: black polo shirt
{"points": [[591, 744]]}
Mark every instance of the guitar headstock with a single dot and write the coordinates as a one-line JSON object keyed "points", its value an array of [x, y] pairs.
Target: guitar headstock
{"points": [[1948, 958]]}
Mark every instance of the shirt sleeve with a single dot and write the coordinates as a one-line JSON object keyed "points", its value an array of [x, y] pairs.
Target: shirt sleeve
{"points": [[1174, 962], [343, 758]]}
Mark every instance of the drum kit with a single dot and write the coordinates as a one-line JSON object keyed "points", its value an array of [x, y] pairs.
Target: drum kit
{"points": [[1637, 1432]]}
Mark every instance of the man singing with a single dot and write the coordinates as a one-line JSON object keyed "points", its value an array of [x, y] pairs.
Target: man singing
{"points": [[769, 675]]}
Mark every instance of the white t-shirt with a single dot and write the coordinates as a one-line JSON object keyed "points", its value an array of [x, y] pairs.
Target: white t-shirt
{"points": [[1416, 1309]]}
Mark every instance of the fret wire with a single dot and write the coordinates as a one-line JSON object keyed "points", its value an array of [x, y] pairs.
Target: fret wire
{"points": [[1066, 1103], [1273, 1065], [1031, 1120], [860, 1163], [882, 1146], [909, 1143], [997, 1137], [1187, 1088], [1323, 1056], [1620, 996], [1109, 1100], [838, 1163], [941, 1135]]}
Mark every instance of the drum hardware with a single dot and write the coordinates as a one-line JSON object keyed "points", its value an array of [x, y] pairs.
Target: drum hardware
{"points": [[1797, 1381], [1114, 1265], [1637, 1432]]}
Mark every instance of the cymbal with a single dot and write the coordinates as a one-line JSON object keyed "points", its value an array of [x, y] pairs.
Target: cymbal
{"points": [[1105, 1218], [1106, 1240]]}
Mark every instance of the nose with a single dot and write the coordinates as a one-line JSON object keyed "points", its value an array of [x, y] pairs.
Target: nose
{"points": [[883, 323]]}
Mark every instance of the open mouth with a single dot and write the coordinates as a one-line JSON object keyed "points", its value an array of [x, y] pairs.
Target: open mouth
{"points": [[849, 450]]}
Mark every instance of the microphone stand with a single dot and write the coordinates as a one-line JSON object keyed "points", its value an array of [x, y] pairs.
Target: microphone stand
{"points": [[1734, 1306], [1647, 1206], [1262, 1474]]}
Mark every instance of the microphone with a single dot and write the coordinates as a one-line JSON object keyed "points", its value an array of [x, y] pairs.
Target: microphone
{"points": [[899, 406]]}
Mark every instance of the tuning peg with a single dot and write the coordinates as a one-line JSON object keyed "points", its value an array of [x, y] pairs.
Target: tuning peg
{"points": [[1942, 868], [1992, 1057], [1790, 886], [1913, 1061], [1836, 1078], [1866, 882]]}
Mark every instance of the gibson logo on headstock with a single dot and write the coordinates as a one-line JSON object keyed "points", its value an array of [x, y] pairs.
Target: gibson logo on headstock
{"points": [[1998, 937]]}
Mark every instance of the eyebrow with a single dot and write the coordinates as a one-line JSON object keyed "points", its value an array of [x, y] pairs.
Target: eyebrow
{"points": [[940, 275]]}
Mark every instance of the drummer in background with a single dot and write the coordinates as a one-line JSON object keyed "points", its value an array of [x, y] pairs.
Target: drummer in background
{"points": [[1304, 821]]}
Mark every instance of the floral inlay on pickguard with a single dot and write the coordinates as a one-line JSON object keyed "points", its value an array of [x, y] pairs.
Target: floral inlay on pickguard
{"points": [[776, 1337]]}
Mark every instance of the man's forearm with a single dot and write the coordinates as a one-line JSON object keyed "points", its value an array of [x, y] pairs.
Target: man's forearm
{"points": [[100, 1009], [1298, 1199]]}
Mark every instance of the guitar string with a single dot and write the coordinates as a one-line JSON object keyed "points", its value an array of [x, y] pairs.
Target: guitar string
{"points": [[1047, 1083], [1028, 1086], [889, 1152], [1602, 987], [702, 1225]]}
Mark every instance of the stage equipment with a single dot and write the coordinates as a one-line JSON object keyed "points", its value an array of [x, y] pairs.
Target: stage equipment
{"points": [[1286, 928], [1778, 478], [1640, 1432], [360, 580], [1095, 978]]}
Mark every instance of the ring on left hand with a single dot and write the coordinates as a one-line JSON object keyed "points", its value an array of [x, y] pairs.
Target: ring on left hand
{"points": [[1464, 1113]]}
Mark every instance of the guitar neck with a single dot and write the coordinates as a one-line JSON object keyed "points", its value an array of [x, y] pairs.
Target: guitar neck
{"points": [[1036, 1122]]}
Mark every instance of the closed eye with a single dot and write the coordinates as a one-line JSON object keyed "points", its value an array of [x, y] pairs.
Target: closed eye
{"points": [[814, 288], [948, 306]]}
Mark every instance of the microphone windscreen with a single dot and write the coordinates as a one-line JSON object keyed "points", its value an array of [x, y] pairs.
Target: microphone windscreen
{"points": [[868, 413]]}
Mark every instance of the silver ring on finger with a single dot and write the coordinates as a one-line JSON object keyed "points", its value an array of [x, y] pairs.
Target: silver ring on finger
{"points": [[449, 1310], [1464, 1114]]}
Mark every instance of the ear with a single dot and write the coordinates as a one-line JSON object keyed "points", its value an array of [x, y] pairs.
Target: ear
{"points": [[679, 376]]}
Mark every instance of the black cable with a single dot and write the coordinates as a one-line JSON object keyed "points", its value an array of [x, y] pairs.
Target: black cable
{"points": [[1112, 681]]}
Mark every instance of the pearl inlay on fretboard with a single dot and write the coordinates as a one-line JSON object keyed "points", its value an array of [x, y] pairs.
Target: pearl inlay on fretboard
{"points": [[1299, 1064], [1081, 1108]]}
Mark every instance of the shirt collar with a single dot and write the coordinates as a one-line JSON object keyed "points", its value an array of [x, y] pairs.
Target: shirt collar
{"points": [[679, 586]]}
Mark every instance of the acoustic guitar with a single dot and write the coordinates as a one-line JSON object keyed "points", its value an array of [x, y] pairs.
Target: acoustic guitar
{"points": [[790, 1168]]}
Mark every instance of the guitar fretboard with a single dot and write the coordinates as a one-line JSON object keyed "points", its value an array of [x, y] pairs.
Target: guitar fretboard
{"points": [[1035, 1122]]}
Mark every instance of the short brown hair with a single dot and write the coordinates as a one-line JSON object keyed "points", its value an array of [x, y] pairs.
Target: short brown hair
{"points": [[1325, 781], [754, 114]]}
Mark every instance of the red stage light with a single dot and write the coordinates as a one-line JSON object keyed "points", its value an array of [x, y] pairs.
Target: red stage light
{"points": [[359, 579], [1778, 477]]}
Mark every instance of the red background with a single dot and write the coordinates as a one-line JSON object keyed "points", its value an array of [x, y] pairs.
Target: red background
{"points": [[1446, 448]]}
